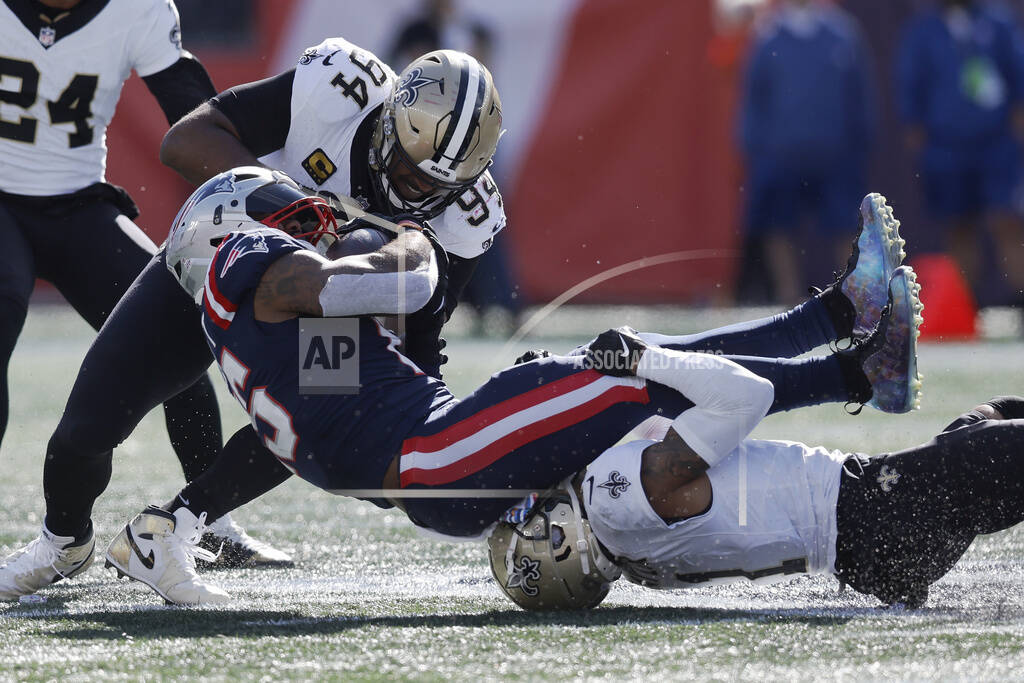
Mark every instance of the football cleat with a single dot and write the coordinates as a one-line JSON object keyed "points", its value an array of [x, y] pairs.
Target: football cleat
{"points": [[159, 549], [44, 561], [889, 355], [877, 252], [236, 549]]}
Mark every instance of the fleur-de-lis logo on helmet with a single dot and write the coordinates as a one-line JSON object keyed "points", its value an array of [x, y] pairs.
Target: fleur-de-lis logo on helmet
{"points": [[409, 89], [524, 571], [615, 485]]}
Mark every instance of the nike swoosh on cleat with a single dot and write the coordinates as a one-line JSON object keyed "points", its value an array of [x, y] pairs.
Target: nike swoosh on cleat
{"points": [[147, 562]]}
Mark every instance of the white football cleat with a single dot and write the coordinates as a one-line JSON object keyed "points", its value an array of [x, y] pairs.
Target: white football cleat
{"points": [[236, 549], [44, 561], [160, 549]]}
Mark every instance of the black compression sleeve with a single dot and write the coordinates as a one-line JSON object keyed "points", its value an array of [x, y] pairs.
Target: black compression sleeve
{"points": [[261, 111], [180, 88], [460, 272]]}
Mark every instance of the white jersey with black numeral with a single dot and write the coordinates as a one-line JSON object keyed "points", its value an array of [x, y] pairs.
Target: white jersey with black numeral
{"points": [[336, 86], [772, 516], [59, 86]]}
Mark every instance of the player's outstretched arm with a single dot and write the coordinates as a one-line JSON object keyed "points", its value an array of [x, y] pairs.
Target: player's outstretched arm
{"points": [[232, 129], [398, 278], [203, 144]]}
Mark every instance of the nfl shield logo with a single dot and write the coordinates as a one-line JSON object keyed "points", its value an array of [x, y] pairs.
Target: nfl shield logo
{"points": [[47, 35]]}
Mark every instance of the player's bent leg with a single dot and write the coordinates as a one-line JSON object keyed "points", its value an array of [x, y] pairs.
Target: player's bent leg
{"points": [[193, 424], [851, 306], [814, 323], [528, 427], [119, 262], [160, 549], [153, 356], [906, 518], [244, 471]]}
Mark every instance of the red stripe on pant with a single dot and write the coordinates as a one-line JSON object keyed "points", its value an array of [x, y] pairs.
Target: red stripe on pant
{"points": [[472, 463], [499, 411]]}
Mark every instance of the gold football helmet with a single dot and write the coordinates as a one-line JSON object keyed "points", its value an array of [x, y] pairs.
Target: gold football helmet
{"points": [[436, 134], [551, 560]]}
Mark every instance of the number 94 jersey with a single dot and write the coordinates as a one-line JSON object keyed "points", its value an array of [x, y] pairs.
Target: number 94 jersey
{"points": [[336, 87], [60, 83], [772, 516]]}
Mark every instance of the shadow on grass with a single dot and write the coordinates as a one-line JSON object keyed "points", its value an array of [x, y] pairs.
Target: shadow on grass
{"points": [[173, 621]]}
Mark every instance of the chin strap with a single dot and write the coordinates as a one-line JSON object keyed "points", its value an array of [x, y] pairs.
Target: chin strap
{"points": [[582, 546]]}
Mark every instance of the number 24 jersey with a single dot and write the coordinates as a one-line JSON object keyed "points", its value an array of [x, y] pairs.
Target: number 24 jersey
{"points": [[60, 83]]}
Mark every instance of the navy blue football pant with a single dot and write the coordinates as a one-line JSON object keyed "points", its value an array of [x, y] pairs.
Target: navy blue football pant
{"points": [[149, 351], [85, 244], [532, 425]]}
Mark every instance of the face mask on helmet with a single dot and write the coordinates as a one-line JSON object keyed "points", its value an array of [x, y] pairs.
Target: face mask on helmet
{"points": [[436, 135], [551, 560], [244, 198], [282, 206]]}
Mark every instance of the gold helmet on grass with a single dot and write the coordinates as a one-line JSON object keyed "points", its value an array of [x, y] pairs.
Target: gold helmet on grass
{"points": [[551, 560]]}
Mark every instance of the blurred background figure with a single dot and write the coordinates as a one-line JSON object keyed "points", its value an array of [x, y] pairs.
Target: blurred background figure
{"points": [[960, 80], [441, 24], [806, 124]]}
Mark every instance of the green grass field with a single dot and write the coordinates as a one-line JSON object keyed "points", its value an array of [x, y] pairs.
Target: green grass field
{"points": [[372, 599]]}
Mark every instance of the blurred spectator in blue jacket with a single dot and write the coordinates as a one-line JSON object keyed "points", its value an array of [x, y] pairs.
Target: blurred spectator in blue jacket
{"points": [[807, 121], [960, 76]]}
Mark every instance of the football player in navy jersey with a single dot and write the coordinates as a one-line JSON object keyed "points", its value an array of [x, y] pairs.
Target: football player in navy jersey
{"points": [[62, 66], [402, 433], [347, 126]]}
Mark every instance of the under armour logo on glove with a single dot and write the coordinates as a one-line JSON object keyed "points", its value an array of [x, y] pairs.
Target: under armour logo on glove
{"points": [[887, 478], [615, 352]]}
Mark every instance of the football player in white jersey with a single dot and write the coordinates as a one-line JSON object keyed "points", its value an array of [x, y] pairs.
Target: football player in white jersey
{"points": [[708, 505], [343, 124], [62, 66]]}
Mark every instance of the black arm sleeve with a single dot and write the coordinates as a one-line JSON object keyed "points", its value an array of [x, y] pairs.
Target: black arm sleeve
{"points": [[460, 272], [261, 111], [423, 343], [180, 88]]}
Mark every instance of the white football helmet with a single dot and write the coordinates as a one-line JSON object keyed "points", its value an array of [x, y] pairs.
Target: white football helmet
{"points": [[436, 134], [551, 560], [244, 198]]}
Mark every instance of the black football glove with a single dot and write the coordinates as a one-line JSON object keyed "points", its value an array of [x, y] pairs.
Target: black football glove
{"points": [[615, 352], [532, 354]]}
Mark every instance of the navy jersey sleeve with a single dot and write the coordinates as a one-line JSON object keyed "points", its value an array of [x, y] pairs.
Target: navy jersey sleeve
{"points": [[237, 268]]}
